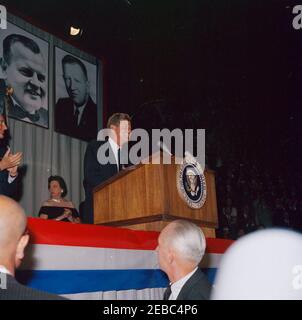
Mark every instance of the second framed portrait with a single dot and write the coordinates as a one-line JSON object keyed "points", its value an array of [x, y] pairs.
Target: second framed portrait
{"points": [[75, 111]]}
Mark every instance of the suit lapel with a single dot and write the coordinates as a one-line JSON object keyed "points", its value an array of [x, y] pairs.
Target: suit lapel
{"points": [[188, 285], [111, 166]]}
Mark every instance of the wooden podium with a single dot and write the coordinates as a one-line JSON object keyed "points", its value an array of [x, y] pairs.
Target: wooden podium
{"points": [[145, 197]]}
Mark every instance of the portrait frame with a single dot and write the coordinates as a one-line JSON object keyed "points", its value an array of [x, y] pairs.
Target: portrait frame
{"points": [[61, 96], [44, 47]]}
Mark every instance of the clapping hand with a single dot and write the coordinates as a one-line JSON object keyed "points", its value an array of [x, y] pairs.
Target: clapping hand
{"points": [[67, 214], [10, 161]]}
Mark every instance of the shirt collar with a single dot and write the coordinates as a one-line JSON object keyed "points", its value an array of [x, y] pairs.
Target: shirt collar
{"points": [[81, 108], [4, 270], [113, 144], [177, 286], [115, 147]]}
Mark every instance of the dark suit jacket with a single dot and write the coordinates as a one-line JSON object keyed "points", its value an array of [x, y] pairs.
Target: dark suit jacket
{"points": [[196, 288], [7, 189], [64, 114], [94, 174], [16, 291]]}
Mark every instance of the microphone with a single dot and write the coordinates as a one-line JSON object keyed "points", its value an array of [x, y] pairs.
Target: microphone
{"points": [[164, 148]]}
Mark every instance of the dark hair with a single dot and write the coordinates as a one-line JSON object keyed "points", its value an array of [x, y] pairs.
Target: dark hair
{"points": [[61, 182], [68, 59], [116, 118], [13, 38], [3, 102], [5, 140]]}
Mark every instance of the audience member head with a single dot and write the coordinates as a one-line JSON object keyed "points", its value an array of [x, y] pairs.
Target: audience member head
{"points": [[3, 126], [181, 246], [57, 187], [13, 237], [120, 123], [266, 264]]}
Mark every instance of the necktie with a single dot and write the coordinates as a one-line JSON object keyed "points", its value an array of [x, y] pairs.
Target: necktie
{"points": [[167, 293], [119, 159], [76, 117]]}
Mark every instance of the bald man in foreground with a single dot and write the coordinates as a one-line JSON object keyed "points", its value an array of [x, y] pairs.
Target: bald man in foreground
{"points": [[181, 246], [13, 240]]}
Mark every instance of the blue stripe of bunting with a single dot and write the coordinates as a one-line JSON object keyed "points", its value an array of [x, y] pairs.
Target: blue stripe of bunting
{"points": [[77, 281]]}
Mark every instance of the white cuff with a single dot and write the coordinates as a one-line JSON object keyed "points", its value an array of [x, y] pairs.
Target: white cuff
{"points": [[11, 179]]}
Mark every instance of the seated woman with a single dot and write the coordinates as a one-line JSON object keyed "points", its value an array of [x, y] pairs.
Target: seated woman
{"points": [[57, 207]]}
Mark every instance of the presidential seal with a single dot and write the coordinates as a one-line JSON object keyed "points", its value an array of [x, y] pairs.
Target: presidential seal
{"points": [[191, 183]]}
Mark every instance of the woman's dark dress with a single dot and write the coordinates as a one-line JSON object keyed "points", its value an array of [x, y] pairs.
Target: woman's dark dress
{"points": [[55, 212]]}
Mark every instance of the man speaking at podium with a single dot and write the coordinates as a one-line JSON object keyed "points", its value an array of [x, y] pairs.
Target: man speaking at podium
{"points": [[96, 172]]}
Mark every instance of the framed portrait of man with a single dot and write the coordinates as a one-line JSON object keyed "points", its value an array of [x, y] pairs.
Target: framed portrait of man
{"points": [[24, 68], [75, 96]]}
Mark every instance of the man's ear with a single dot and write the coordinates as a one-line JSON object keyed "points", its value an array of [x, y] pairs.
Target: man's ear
{"points": [[170, 255], [114, 128], [21, 247]]}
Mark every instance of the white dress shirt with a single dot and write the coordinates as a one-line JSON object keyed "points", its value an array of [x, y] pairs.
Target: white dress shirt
{"points": [[4, 270], [11, 179], [177, 286], [115, 148], [81, 110]]}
